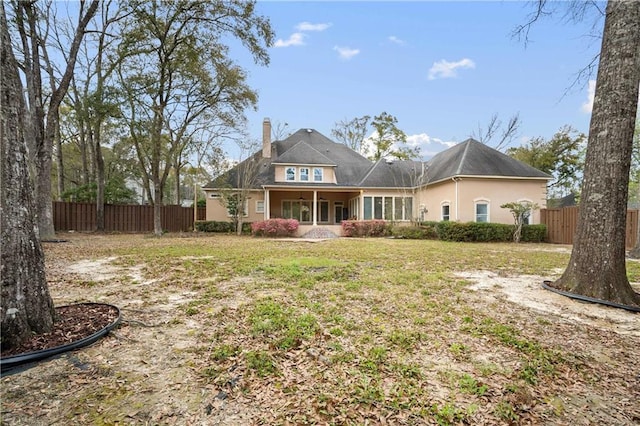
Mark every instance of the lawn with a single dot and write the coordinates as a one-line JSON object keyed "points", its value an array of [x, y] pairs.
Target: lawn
{"points": [[225, 330]]}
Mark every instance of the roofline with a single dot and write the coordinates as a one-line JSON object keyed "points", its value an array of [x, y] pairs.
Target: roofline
{"points": [[304, 164], [488, 177]]}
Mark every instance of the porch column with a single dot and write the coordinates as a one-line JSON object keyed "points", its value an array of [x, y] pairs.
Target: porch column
{"points": [[267, 205], [315, 208]]}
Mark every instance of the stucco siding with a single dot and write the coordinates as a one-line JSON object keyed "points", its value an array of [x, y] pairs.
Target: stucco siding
{"points": [[494, 192], [216, 211]]}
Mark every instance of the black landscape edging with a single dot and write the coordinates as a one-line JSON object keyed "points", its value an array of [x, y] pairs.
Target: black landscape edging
{"points": [[10, 362], [546, 285]]}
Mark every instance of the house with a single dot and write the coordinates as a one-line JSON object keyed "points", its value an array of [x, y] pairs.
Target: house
{"points": [[321, 183]]}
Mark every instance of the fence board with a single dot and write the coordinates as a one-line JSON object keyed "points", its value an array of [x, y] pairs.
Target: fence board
{"points": [[122, 218], [562, 224]]}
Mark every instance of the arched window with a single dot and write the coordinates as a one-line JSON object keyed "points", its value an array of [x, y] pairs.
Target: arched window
{"points": [[482, 210]]}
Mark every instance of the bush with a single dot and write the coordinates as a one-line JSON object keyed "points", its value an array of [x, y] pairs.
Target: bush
{"points": [[534, 233], [214, 226], [365, 228], [420, 232], [221, 227], [275, 228], [487, 232]]}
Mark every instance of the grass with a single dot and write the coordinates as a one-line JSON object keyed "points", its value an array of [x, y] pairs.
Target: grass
{"points": [[349, 331]]}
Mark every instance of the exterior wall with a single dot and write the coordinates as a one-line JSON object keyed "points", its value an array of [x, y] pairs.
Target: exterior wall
{"points": [[216, 211], [432, 197], [493, 191]]}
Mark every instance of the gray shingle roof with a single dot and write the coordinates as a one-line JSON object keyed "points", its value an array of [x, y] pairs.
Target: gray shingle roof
{"points": [[472, 158], [393, 174], [308, 147]]}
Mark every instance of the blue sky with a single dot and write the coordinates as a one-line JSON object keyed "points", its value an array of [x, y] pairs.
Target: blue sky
{"points": [[441, 68]]}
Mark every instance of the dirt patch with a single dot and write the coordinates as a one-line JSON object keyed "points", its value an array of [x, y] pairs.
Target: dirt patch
{"points": [[527, 291]]}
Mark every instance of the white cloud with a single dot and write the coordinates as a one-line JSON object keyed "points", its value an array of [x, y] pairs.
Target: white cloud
{"points": [[446, 69], [396, 40], [428, 146], [308, 26], [587, 106], [295, 39], [346, 52]]}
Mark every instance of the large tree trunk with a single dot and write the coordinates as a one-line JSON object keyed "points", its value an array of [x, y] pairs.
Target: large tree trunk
{"points": [[27, 307], [597, 264]]}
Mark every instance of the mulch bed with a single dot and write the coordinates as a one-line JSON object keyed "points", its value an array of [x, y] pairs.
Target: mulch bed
{"points": [[73, 323]]}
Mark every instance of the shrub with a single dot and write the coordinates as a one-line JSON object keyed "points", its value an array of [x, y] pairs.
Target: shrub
{"points": [[420, 232], [534, 233], [214, 226], [221, 227], [275, 228], [487, 232], [365, 228]]}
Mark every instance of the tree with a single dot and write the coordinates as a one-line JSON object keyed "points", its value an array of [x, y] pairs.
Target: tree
{"points": [[597, 264], [176, 70], [27, 307], [520, 211], [507, 133], [239, 182], [352, 133], [42, 109], [561, 157], [388, 139]]}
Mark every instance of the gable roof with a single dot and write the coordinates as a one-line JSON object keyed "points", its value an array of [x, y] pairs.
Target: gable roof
{"points": [[472, 158], [305, 147]]}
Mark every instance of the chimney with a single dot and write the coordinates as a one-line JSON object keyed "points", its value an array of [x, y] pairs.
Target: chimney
{"points": [[266, 138]]}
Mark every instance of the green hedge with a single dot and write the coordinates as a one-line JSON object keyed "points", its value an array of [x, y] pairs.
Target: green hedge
{"points": [[487, 232], [420, 232], [221, 227]]}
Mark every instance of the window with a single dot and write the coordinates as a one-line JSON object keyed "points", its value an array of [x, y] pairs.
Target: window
{"points": [[377, 207], [260, 206], [290, 173], [482, 212], [299, 210], [389, 208], [317, 174], [304, 174], [367, 208], [445, 212]]}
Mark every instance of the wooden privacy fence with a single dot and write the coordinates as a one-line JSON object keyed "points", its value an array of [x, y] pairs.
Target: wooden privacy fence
{"points": [[562, 224], [122, 218]]}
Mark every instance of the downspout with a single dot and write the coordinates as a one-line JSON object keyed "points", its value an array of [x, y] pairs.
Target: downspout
{"points": [[456, 180]]}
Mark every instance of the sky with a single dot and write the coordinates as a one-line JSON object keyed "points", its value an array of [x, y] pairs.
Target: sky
{"points": [[441, 68]]}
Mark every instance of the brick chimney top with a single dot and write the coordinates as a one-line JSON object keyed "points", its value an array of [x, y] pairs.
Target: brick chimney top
{"points": [[266, 138]]}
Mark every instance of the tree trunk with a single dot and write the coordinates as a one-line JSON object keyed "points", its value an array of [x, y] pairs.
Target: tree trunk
{"points": [[26, 305], [60, 159], [157, 208], [597, 264]]}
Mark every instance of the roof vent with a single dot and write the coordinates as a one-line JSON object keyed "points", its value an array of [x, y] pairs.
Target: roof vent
{"points": [[309, 130]]}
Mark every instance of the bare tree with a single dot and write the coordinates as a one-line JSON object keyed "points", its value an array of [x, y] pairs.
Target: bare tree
{"points": [[26, 306], [504, 134], [43, 111]]}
